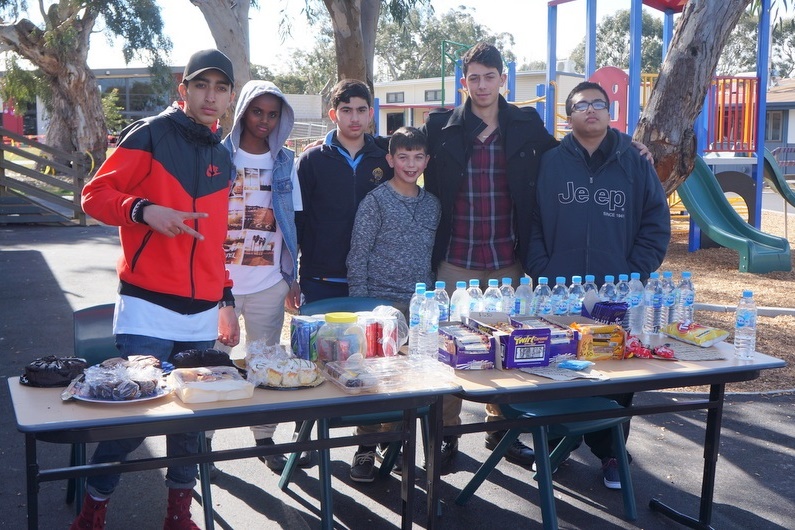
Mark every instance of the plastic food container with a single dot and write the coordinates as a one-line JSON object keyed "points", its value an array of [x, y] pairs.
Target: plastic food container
{"points": [[340, 337], [209, 384], [388, 374]]}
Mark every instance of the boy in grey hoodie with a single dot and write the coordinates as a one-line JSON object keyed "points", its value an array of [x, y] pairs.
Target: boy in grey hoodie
{"points": [[261, 243]]}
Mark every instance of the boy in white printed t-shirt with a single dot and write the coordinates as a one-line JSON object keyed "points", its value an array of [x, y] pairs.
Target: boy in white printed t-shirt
{"points": [[261, 244]]}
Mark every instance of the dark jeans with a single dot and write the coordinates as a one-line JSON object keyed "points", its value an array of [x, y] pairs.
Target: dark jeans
{"points": [[314, 290], [179, 477], [601, 442]]}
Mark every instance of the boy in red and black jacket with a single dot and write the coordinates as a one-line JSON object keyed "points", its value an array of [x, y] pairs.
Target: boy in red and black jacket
{"points": [[166, 187]]}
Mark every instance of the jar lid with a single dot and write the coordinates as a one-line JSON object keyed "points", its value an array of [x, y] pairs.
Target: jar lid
{"points": [[341, 318]]}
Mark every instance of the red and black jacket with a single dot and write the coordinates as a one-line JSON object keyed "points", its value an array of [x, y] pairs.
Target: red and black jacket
{"points": [[171, 161]]}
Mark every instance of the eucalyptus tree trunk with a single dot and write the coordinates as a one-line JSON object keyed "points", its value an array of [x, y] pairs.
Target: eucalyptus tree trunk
{"points": [[228, 23], [666, 125], [77, 122]]}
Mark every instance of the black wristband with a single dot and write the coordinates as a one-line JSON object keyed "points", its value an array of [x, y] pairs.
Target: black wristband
{"points": [[137, 212]]}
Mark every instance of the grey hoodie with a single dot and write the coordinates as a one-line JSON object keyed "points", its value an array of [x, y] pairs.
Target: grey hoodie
{"points": [[254, 89]]}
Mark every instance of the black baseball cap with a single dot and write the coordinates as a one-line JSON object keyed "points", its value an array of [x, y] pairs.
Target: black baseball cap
{"points": [[208, 60]]}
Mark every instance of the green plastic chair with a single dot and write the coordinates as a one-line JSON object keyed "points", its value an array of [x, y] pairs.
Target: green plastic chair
{"points": [[546, 462], [351, 304], [95, 342]]}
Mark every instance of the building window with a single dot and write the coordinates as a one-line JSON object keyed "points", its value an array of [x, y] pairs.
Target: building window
{"points": [[774, 131], [394, 97], [433, 95]]}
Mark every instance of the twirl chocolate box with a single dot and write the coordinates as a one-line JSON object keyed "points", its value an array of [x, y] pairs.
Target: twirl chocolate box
{"points": [[520, 346], [465, 348]]}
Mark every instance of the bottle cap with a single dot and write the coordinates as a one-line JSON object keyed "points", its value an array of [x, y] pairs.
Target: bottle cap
{"points": [[429, 294], [460, 285], [341, 317], [634, 275], [748, 294], [589, 278], [493, 282], [655, 275], [560, 279], [507, 281], [609, 278], [576, 279], [543, 280], [668, 274], [685, 275], [524, 280], [623, 277], [474, 283], [440, 285]]}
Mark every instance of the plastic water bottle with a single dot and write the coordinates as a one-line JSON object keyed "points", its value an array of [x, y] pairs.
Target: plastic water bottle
{"points": [[653, 304], [576, 295], [508, 297], [524, 297], [607, 292], [414, 317], [635, 304], [745, 327], [622, 288], [560, 297], [590, 284], [622, 295], [428, 329], [475, 297], [459, 302], [443, 300], [669, 298], [542, 298], [686, 297], [492, 297]]}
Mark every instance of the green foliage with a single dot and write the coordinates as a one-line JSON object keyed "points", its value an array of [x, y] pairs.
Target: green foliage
{"points": [[112, 110], [412, 50], [287, 83], [19, 86], [612, 43], [739, 54]]}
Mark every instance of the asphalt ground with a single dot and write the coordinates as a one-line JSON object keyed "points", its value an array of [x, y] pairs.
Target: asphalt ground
{"points": [[47, 272]]}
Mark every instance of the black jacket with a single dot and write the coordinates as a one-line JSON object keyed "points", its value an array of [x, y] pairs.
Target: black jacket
{"points": [[451, 134], [331, 192]]}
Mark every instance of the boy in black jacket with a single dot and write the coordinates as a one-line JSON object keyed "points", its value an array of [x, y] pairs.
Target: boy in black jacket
{"points": [[334, 178]]}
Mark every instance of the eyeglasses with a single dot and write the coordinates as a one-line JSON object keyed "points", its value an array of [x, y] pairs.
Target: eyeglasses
{"points": [[582, 106]]}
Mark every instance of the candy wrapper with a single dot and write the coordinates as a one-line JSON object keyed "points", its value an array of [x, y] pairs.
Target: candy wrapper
{"points": [[696, 334], [636, 348]]}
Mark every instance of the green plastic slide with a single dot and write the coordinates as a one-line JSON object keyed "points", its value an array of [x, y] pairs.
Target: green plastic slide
{"points": [[775, 177], [708, 207]]}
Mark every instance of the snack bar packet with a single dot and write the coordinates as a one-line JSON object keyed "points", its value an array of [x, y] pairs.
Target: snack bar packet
{"points": [[696, 334]]}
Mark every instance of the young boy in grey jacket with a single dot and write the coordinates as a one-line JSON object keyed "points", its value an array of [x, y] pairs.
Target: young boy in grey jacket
{"points": [[391, 247]]}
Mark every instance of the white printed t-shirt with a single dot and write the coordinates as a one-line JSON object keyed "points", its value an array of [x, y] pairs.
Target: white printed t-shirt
{"points": [[254, 240]]}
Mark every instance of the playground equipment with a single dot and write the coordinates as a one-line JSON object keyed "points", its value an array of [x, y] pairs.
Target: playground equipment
{"points": [[706, 202], [775, 176], [733, 116]]}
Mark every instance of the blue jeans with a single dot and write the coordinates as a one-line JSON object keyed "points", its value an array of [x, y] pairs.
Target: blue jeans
{"points": [[178, 477]]}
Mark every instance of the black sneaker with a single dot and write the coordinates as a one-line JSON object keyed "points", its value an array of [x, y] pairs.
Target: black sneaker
{"points": [[518, 453], [449, 450], [380, 453], [275, 463], [363, 465], [610, 474]]}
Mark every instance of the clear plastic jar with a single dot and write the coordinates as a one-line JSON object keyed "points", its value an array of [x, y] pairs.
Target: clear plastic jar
{"points": [[340, 337]]}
